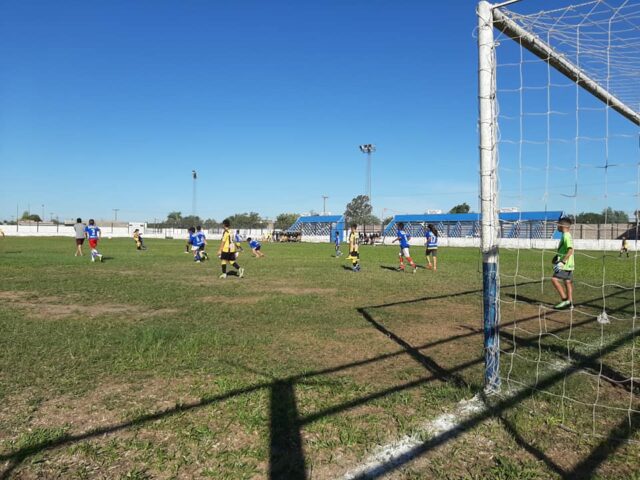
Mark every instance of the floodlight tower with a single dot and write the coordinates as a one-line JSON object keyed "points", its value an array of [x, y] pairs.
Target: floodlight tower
{"points": [[368, 149], [193, 200], [324, 204]]}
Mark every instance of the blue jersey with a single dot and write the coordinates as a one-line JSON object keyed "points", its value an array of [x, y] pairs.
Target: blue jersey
{"points": [[404, 239], [237, 238], [200, 238], [432, 240], [254, 244], [337, 239], [193, 240], [92, 231]]}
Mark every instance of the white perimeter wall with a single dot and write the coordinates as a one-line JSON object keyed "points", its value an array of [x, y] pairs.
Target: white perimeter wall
{"points": [[115, 232]]}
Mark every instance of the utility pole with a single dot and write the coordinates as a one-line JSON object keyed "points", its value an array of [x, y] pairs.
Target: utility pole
{"points": [[324, 204], [115, 214], [193, 200]]}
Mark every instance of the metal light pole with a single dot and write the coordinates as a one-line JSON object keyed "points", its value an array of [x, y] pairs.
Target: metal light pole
{"points": [[324, 204], [115, 214], [368, 149], [194, 175], [42, 212]]}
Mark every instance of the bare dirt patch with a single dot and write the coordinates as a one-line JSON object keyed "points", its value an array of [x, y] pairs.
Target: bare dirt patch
{"points": [[56, 308], [108, 405], [247, 300], [125, 423], [287, 288], [291, 290], [9, 295]]}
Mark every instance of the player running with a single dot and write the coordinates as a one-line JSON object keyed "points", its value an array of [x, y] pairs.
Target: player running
{"points": [[432, 247], [187, 247], [624, 248], [354, 254], [227, 251], [202, 243], [137, 237], [93, 233], [403, 237], [237, 239], [255, 247], [194, 241]]}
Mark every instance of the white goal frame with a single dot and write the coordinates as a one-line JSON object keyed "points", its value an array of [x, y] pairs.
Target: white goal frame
{"points": [[490, 17]]}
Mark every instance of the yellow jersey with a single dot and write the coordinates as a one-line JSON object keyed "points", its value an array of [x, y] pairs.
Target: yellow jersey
{"points": [[353, 242], [227, 244]]}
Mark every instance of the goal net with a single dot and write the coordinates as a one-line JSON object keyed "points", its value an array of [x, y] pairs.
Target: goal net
{"points": [[559, 103]]}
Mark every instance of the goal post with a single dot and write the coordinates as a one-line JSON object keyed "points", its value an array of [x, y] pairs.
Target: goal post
{"points": [[496, 22], [488, 195]]}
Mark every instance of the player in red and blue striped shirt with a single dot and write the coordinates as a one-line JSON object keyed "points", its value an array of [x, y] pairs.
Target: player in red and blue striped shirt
{"points": [[403, 237], [92, 232]]}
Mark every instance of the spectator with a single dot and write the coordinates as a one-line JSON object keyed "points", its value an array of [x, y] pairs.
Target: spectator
{"points": [[79, 233]]}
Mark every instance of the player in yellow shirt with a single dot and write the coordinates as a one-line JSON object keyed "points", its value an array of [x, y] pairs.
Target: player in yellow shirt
{"points": [[137, 237], [227, 251], [624, 248], [354, 254]]}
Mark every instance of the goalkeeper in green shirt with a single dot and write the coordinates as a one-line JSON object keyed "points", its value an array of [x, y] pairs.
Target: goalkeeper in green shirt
{"points": [[563, 265]]}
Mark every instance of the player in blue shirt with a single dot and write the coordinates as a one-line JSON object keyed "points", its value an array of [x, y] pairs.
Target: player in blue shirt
{"points": [[432, 246], [194, 241], [337, 242], [93, 233], [403, 237], [202, 243], [255, 247]]}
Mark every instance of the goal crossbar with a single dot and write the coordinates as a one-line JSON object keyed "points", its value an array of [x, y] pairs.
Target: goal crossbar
{"points": [[546, 52]]}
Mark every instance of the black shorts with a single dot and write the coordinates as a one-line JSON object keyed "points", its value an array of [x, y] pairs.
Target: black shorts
{"points": [[79, 241], [257, 249], [229, 256], [564, 275], [432, 251], [355, 254], [201, 248]]}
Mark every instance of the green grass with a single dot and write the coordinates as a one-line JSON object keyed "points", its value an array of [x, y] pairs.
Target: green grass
{"points": [[149, 366]]}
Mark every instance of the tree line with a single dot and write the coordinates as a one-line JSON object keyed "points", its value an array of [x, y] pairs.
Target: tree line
{"points": [[238, 220], [358, 210]]}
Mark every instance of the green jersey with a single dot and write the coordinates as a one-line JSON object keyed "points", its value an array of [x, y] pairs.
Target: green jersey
{"points": [[566, 244]]}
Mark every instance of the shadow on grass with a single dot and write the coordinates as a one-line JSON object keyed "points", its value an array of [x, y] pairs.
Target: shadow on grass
{"points": [[595, 303], [387, 267], [497, 406], [287, 458]]}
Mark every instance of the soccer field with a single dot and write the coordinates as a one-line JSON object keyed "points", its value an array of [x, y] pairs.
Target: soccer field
{"points": [[150, 366]]}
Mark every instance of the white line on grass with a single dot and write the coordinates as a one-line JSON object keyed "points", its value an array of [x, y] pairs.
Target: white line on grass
{"points": [[387, 456]]}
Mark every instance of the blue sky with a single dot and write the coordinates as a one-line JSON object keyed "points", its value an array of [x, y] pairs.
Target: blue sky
{"points": [[109, 105]]}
